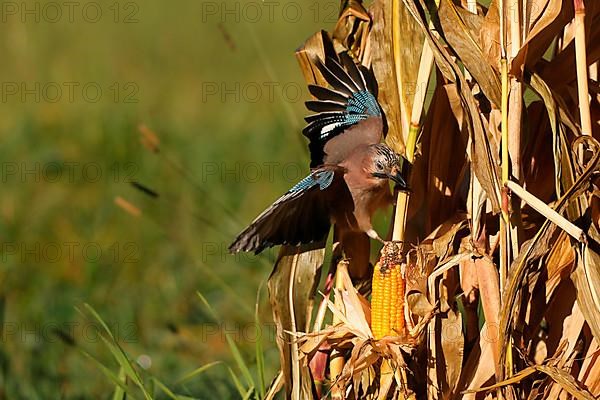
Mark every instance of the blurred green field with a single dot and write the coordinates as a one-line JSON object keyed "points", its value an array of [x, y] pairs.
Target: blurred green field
{"points": [[65, 243]]}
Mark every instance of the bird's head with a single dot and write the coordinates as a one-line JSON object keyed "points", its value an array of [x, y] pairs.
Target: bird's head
{"points": [[386, 164]]}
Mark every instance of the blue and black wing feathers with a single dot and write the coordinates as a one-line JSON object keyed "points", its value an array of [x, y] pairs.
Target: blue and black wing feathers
{"points": [[325, 106], [321, 92], [353, 70], [349, 100], [300, 216]]}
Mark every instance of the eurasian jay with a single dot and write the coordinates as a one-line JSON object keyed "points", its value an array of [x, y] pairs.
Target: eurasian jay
{"points": [[350, 171]]}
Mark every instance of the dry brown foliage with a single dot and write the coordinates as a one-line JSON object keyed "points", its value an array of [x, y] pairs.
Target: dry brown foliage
{"points": [[497, 105]]}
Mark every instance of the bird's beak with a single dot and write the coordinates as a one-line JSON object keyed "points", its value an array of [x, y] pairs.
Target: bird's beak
{"points": [[395, 176], [380, 175], [398, 179]]}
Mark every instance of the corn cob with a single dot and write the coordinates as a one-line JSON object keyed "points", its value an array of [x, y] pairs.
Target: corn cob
{"points": [[387, 299]]}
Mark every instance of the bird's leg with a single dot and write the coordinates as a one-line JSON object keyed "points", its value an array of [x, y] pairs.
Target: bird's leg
{"points": [[374, 235]]}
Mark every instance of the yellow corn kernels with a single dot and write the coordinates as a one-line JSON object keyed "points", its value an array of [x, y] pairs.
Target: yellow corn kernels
{"points": [[387, 298]]}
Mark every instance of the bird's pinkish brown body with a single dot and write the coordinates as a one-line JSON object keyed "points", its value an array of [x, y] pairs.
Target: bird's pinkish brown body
{"points": [[353, 225], [369, 193]]}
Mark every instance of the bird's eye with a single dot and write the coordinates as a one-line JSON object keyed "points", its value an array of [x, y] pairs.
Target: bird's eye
{"points": [[379, 166]]}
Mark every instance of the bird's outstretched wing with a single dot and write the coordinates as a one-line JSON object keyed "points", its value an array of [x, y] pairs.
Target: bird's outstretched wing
{"points": [[302, 215], [347, 112]]}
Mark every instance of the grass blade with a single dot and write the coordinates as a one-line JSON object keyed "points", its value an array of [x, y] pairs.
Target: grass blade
{"points": [[198, 371], [237, 355], [119, 392], [110, 375], [236, 381]]}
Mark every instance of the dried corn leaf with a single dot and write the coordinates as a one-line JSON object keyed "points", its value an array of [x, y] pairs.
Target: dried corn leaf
{"points": [[561, 71], [488, 281], [354, 306], [559, 263], [483, 152], [318, 45], [461, 30], [438, 173], [590, 371], [564, 323], [586, 277], [480, 365], [396, 71], [540, 154], [563, 378], [419, 264], [543, 28], [559, 118], [446, 341], [292, 287], [538, 247], [444, 236], [352, 29]]}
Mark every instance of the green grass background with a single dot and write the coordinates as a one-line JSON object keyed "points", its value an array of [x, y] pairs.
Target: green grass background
{"points": [[150, 297], [233, 155]]}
